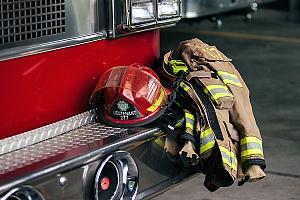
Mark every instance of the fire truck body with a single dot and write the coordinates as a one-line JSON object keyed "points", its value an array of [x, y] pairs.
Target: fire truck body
{"points": [[52, 53]]}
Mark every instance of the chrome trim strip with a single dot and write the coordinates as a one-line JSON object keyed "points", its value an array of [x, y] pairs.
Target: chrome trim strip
{"points": [[50, 46], [46, 132], [149, 28]]}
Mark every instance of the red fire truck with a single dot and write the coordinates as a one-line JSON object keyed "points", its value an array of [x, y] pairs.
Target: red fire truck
{"points": [[52, 146]]}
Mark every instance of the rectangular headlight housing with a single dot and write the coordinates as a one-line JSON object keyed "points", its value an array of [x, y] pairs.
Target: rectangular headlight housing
{"points": [[168, 8], [142, 11], [130, 16]]}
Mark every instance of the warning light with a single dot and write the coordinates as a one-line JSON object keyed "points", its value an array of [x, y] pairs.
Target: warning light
{"points": [[105, 182]]}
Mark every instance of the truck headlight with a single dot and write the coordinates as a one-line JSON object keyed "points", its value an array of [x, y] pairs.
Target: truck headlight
{"points": [[142, 11], [131, 16], [168, 8]]}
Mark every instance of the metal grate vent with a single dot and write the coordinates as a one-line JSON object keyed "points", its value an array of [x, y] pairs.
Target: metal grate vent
{"points": [[29, 19]]}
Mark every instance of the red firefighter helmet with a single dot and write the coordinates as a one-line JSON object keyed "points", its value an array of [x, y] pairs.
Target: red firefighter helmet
{"points": [[130, 96]]}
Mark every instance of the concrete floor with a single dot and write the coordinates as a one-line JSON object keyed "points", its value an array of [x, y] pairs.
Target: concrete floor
{"points": [[267, 53]]}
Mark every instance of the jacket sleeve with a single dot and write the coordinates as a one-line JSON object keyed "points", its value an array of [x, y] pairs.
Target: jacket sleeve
{"points": [[241, 115]]}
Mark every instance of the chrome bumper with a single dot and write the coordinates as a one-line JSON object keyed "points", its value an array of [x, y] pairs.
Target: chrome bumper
{"points": [[64, 166]]}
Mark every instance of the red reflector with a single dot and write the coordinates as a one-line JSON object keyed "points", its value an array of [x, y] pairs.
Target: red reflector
{"points": [[105, 182]]}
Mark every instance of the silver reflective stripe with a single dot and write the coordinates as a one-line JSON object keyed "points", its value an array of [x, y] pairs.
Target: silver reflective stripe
{"points": [[225, 76], [229, 78], [226, 156], [251, 145], [218, 90], [207, 139], [190, 121]]}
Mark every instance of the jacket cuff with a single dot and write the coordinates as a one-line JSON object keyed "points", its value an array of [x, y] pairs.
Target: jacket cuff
{"points": [[247, 163]]}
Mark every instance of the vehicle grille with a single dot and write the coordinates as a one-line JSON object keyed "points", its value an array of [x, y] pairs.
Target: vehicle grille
{"points": [[24, 20]]}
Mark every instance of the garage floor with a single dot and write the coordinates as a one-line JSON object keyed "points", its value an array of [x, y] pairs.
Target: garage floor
{"points": [[267, 53]]}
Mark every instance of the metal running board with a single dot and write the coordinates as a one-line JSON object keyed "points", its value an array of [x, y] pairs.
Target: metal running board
{"points": [[57, 145], [46, 132], [64, 145]]}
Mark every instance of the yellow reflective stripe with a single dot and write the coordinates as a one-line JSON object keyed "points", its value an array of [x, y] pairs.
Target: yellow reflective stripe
{"points": [[207, 146], [226, 73], [252, 152], [231, 165], [219, 95], [211, 87], [250, 139], [231, 155], [184, 86], [189, 125], [157, 102], [217, 91], [179, 123], [190, 116], [206, 133], [227, 81], [189, 120], [229, 78], [251, 145]]}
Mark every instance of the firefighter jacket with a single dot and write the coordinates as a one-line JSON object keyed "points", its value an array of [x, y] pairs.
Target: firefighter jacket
{"points": [[225, 128]]}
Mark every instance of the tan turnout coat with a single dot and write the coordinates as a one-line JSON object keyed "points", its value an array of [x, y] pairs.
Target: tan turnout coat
{"points": [[235, 134]]}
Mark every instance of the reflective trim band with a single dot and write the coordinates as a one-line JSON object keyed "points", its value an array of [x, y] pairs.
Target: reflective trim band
{"points": [[206, 133], [211, 87], [189, 120], [229, 158], [251, 145], [217, 91], [184, 86], [179, 123], [220, 95], [190, 116], [252, 152], [189, 123], [229, 153], [207, 140], [229, 78], [227, 81], [207, 146], [251, 139]]}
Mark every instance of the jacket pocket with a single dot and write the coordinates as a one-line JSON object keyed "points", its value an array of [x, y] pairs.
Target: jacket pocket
{"points": [[218, 92]]}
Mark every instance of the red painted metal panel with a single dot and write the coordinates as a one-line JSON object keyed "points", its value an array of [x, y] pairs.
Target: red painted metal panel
{"points": [[41, 89]]}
